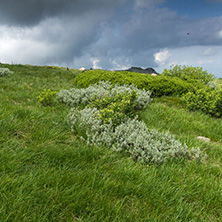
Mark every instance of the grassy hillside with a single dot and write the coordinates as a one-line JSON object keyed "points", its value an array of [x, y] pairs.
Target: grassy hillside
{"points": [[47, 173], [219, 82]]}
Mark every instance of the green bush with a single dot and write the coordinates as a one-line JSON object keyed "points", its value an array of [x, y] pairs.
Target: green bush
{"points": [[46, 98], [115, 108], [189, 73], [5, 72], [207, 100], [158, 85]]}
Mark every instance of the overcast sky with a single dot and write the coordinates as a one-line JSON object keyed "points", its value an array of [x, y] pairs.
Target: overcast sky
{"points": [[112, 34]]}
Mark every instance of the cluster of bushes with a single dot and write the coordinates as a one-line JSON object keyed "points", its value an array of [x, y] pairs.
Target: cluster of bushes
{"points": [[189, 73], [5, 72], [207, 100], [197, 85], [75, 97], [159, 85], [104, 114]]}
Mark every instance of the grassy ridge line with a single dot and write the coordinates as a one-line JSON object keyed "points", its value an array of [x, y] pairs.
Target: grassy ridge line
{"points": [[47, 174]]}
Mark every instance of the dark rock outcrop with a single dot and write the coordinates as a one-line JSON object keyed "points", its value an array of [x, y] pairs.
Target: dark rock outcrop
{"points": [[140, 70]]}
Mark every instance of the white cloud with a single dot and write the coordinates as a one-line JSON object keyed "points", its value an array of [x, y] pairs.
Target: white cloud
{"points": [[219, 34], [147, 3], [162, 57], [193, 56], [46, 43], [19, 46], [119, 66], [203, 62], [210, 51], [95, 62]]}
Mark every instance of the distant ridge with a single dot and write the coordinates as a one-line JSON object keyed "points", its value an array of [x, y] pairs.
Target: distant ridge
{"points": [[141, 70]]}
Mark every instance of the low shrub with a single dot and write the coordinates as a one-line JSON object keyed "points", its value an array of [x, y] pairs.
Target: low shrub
{"points": [[115, 108], [212, 85], [46, 97], [75, 97], [132, 136], [159, 85], [189, 73], [5, 72], [206, 100], [150, 146]]}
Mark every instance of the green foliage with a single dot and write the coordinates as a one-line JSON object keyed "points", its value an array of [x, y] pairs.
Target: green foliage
{"points": [[166, 86], [207, 100], [159, 85], [189, 73], [116, 107], [218, 83], [46, 97], [5, 72]]}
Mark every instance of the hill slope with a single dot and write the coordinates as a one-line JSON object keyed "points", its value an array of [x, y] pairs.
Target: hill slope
{"points": [[47, 173]]}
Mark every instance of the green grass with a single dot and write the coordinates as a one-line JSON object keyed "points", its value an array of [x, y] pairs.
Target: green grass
{"points": [[168, 115], [49, 174], [219, 83]]}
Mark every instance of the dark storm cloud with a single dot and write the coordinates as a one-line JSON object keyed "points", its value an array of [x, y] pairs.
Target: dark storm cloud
{"points": [[139, 35], [31, 12], [65, 27], [215, 1], [99, 33], [163, 28]]}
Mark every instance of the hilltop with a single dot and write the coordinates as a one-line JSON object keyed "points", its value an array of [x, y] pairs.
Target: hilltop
{"points": [[141, 70]]}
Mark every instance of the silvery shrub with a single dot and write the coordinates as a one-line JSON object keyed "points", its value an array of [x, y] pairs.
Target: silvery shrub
{"points": [[5, 72], [75, 97], [132, 136], [212, 85]]}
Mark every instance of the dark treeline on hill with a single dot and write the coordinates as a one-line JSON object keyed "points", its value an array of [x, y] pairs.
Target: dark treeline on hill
{"points": [[141, 70]]}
